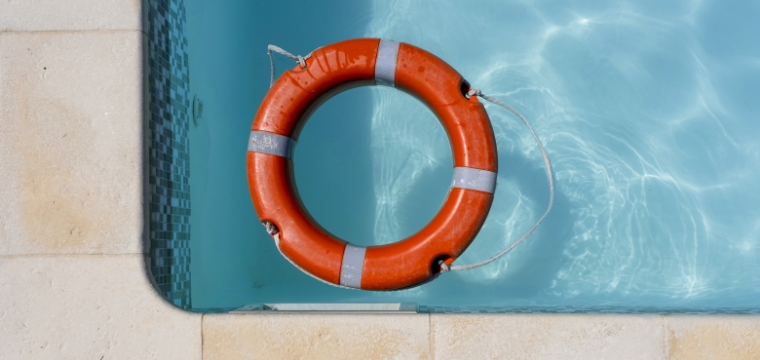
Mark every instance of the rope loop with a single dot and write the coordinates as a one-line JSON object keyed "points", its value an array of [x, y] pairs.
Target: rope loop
{"points": [[549, 176]]}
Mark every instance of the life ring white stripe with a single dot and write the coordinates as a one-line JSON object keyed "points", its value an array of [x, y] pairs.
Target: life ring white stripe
{"points": [[385, 63], [273, 144], [353, 266], [475, 179]]}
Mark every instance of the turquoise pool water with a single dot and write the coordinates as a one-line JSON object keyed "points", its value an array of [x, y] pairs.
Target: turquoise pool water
{"points": [[648, 111]]}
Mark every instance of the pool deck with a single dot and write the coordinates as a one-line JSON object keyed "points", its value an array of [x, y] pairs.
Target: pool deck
{"points": [[73, 281]]}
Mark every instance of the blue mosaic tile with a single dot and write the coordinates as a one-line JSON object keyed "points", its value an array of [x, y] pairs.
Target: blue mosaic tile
{"points": [[168, 150]]}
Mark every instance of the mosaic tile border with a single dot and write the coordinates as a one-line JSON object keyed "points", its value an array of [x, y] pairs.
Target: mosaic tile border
{"points": [[168, 108]]}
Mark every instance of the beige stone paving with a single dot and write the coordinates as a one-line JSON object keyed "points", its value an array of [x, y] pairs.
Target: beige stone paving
{"points": [[315, 336], [547, 336], [70, 135], [89, 307], [47, 15], [731, 337]]}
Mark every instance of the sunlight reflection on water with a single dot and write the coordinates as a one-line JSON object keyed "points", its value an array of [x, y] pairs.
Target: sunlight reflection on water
{"points": [[655, 172]]}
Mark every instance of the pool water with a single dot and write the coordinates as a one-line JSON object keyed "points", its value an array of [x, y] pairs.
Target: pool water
{"points": [[647, 109]]}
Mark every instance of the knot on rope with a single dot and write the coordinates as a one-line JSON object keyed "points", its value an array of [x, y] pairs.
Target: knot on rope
{"points": [[301, 60], [273, 231], [271, 228], [445, 268], [473, 92]]}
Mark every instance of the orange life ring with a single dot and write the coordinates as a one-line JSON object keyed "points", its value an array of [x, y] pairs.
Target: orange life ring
{"points": [[336, 68]]}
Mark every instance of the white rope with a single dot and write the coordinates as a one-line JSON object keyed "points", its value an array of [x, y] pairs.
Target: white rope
{"points": [[549, 176], [301, 60]]}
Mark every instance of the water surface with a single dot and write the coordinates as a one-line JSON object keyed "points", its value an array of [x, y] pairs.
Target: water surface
{"points": [[648, 111]]}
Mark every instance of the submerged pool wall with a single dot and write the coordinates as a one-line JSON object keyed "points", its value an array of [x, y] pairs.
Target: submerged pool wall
{"points": [[168, 105]]}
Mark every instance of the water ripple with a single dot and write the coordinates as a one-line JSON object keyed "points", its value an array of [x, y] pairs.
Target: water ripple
{"points": [[655, 153]]}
